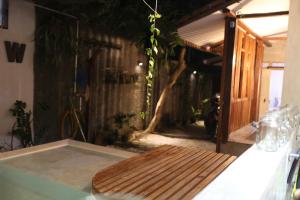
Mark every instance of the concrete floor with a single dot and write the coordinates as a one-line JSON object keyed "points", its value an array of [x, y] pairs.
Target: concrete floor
{"points": [[193, 135], [191, 131], [155, 140], [196, 136]]}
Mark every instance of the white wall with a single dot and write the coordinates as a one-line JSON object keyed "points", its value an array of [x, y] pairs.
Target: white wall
{"points": [[276, 53], [16, 80], [291, 89]]}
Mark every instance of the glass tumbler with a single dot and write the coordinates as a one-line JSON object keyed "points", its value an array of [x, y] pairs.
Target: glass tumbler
{"points": [[267, 134]]}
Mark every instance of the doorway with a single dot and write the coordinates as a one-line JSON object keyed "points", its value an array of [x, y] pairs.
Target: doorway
{"points": [[271, 88], [276, 84]]}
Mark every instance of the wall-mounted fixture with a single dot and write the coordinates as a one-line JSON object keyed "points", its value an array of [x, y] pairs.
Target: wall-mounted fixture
{"points": [[139, 67], [140, 63], [195, 72]]}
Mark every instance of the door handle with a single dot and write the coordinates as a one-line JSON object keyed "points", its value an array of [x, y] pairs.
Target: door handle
{"points": [[296, 157]]}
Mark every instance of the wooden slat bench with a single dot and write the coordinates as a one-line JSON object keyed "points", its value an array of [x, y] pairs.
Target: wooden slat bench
{"points": [[167, 172]]}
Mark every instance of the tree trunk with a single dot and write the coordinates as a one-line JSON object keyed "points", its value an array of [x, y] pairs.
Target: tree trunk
{"points": [[162, 99]]}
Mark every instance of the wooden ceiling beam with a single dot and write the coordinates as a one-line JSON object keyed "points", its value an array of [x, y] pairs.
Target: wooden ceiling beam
{"points": [[213, 60], [201, 48], [260, 15], [212, 45], [216, 44], [277, 34], [205, 11], [275, 38]]}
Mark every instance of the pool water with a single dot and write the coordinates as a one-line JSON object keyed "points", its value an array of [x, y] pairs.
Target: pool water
{"points": [[17, 184], [58, 174]]}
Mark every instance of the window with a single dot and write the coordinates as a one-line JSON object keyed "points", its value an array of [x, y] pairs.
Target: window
{"points": [[4, 14]]}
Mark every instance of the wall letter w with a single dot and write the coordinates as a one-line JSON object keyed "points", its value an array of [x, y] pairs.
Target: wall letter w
{"points": [[14, 51]]}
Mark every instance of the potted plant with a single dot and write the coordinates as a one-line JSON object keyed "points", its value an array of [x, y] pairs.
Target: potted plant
{"points": [[22, 126]]}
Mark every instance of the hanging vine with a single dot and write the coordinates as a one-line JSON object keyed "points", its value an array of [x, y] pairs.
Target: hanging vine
{"points": [[152, 52]]}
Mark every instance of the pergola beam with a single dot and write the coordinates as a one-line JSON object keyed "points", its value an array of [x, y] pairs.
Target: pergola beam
{"points": [[205, 11], [213, 60], [201, 48], [275, 38], [261, 15]]}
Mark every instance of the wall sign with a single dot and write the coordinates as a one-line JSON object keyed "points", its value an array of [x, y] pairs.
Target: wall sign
{"points": [[120, 77], [14, 51]]}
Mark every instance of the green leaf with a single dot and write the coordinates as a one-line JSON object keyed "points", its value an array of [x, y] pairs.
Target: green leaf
{"points": [[157, 31], [152, 39], [157, 16], [155, 49], [152, 28], [151, 62], [148, 51], [151, 18]]}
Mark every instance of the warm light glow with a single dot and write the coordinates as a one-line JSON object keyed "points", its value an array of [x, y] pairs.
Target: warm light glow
{"points": [[138, 69], [268, 25], [208, 48], [194, 72]]}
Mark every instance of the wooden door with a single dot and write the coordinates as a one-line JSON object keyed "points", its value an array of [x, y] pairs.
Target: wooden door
{"points": [[241, 77], [257, 81], [242, 80], [264, 92]]}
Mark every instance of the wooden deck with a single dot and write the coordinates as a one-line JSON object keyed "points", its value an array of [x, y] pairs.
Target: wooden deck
{"points": [[167, 172]]}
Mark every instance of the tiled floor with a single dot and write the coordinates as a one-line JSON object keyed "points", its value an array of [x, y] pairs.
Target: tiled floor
{"points": [[245, 135]]}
